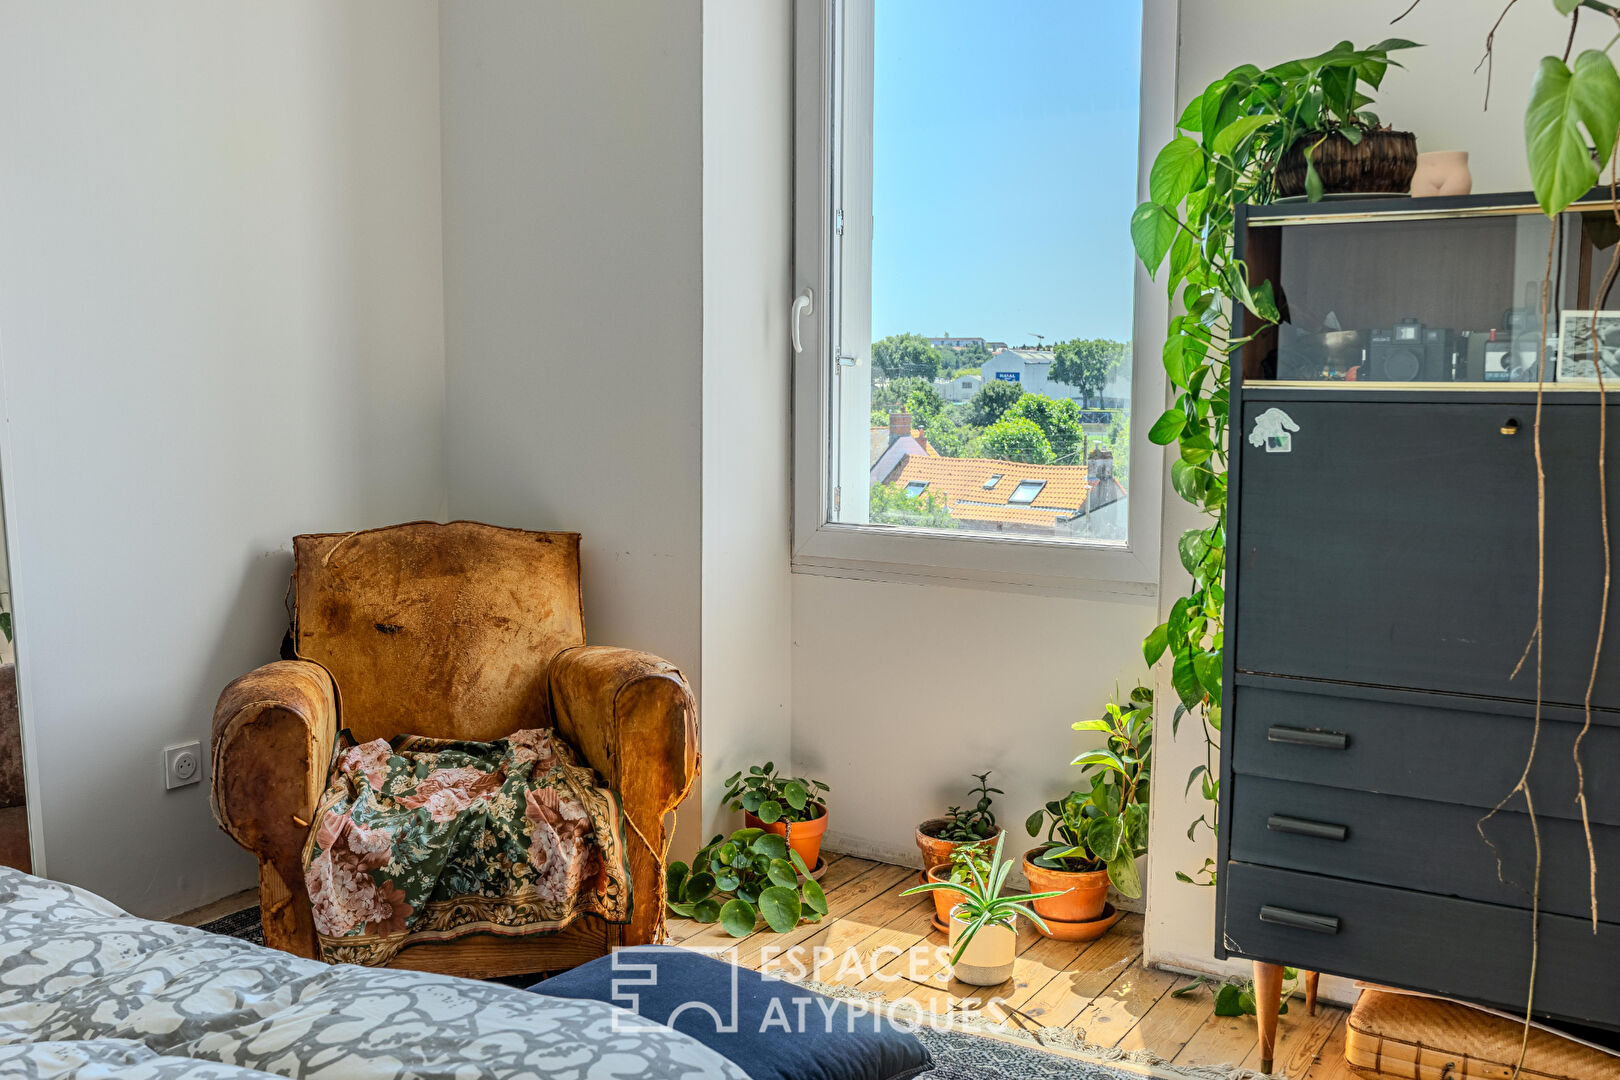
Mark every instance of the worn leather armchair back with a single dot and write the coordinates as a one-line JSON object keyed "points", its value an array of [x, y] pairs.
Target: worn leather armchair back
{"points": [[440, 630]]}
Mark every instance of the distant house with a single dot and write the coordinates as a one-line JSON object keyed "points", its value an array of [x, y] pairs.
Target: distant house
{"points": [[959, 388], [955, 342], [1032, 369], [986, 494]]}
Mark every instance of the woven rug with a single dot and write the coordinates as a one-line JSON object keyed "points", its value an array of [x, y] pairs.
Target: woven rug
{"points": [[242, 924]]}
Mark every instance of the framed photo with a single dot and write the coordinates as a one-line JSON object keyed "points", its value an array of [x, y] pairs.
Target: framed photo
{"points": [[1576, 351]]}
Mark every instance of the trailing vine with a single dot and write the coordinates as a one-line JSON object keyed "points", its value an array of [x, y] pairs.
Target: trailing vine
{"points": [[1229, 141]]}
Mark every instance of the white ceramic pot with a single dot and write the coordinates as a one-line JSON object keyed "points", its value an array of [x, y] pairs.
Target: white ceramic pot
{"points": [[988, 959], [1442, 172]]}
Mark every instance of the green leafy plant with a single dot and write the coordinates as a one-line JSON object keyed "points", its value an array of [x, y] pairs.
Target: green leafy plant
{"points": [[966, 859], [772, 798], [1229, 141], [1107, 825], [982, 903], [977, 822], [734, 880], [1235, 997]]}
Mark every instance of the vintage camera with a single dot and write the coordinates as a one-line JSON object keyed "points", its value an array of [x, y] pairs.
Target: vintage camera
{"points": [[1410, 352]]}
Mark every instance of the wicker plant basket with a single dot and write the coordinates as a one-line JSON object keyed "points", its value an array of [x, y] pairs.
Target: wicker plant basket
{"points": [[1383, 161], [1419, 1038]]}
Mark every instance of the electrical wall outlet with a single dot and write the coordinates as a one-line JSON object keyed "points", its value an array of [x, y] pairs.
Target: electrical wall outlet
{"points": [[182, 765]]}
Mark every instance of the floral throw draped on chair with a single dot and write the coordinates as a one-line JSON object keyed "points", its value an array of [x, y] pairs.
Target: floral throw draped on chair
{"points": [[420, 839]]}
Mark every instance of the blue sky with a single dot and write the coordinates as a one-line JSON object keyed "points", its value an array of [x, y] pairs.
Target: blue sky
{"points": [[1005, 160]]}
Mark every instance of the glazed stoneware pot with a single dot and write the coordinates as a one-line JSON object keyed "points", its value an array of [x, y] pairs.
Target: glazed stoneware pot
{"points": [[1085, 893], [937, 852], [802, 836], [988, 959]]}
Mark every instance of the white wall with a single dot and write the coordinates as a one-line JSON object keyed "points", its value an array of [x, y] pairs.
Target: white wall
{"points": [[747, 252], [1439, 97], [901, 692], [572, 146], [220, 325]]}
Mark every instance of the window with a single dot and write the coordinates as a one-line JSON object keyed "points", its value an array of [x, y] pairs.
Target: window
{"points": [[924, 198], [1026, 492]]}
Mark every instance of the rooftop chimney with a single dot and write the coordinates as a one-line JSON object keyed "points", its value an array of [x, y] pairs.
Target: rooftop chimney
{"points": [[1100, 463], [899, 425]]}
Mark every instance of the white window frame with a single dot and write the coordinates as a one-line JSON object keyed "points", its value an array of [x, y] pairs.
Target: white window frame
{"points": [[851, 550]]}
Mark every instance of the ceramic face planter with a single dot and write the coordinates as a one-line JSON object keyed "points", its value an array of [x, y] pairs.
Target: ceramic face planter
{"points": [[1442, 172]]}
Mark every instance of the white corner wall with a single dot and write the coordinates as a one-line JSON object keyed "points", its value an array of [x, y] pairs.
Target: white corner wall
{"points": [[220, 325], [1438, 96], [572, 144], [747, 281]]}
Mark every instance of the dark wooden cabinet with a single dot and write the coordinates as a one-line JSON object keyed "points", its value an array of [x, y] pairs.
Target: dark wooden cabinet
{"points": [[1381, 584]]}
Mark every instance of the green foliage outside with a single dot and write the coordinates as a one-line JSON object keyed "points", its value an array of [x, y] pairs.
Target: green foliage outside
{"points": [[994, 398], [1014, 438], [969, 358], [890, 505], [890, 395], [899, 355], [1086, 363], [1059, 421]]}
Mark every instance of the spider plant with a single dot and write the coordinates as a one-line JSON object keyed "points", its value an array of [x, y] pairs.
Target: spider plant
{"points": [[982, 903]]}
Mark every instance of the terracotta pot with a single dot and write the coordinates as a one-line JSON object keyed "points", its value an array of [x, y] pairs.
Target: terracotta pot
{"points": [[988, 959], [1442, 172], [944, 899], [802, 836], [1383, 161], [1085, 893], [937, 852]]}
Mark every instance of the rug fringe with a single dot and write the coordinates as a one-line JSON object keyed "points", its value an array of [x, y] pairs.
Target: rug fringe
{"points": [[1065, 1041]]}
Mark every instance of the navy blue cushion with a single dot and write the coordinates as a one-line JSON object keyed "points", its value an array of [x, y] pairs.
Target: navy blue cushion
{"points": [[772, 1030]]}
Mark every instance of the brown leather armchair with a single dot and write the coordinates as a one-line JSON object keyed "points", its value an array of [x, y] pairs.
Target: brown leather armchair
{"points": [[461, 631]]}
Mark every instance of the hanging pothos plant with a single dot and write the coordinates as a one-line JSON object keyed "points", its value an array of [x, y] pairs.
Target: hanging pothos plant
{"points": [[1229, 142]]}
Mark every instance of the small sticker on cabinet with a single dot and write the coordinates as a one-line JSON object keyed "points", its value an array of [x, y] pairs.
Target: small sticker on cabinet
{"points": [[1273, 429]]}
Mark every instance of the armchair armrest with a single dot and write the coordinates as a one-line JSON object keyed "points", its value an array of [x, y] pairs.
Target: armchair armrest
{"points": [[274, 730], [633, 719]]}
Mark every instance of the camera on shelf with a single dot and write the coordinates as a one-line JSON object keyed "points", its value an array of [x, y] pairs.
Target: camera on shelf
{"points": [[1411, 352]]}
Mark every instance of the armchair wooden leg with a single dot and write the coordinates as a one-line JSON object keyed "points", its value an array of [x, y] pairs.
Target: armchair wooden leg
{"points": [[1267, 1000], [1310, 992]]}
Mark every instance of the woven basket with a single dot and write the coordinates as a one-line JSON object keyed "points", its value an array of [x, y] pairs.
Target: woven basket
{"points": [[1383, 161], [1417, 1038]]}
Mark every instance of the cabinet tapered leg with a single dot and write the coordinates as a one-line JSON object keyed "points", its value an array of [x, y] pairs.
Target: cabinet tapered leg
{"points": [[1267, 1000], [1310, 992]]}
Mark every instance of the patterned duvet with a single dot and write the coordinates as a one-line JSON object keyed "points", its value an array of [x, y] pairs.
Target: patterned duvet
{"points": [[87, 991]]}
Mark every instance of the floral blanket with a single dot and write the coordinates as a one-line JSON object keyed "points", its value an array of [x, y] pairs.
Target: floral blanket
{"points": [[420, 839], [90, 993]]}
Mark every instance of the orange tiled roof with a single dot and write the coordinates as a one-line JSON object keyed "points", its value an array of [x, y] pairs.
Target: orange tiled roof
{"points": [[961, 482]]}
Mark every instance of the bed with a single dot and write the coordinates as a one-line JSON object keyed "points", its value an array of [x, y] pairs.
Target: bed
{"points": [[88, 991]]}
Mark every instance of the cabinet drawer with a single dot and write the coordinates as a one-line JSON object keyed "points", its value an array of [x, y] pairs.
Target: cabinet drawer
{"points": [[1375, 838], [1460, 948], [1395, 544], [1419, 751]]}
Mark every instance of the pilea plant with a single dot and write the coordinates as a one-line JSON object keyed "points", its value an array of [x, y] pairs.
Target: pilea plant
{"points": [[759, 873], [1229, 141], [773, 798], [975, 823]]}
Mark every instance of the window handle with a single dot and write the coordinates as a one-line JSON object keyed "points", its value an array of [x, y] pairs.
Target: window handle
{"points": [[804, 304]]}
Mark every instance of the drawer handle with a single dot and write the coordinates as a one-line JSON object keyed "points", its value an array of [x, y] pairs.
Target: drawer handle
{"points": [[1295, 736], [1321, 830], [1300, 920]]}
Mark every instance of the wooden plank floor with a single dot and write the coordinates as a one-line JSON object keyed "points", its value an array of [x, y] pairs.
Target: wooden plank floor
{"points": [[876, 939]]}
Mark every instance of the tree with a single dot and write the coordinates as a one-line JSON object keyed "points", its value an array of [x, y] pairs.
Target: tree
{"points": [[925, 406], [994, 398], [1016, 439], [905, 354], [1058, 419], [890, 505], [1086, 363], [891, 395], [967, 358]]}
